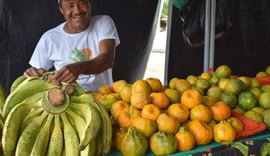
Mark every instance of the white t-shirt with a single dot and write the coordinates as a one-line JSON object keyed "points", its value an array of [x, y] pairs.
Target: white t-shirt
{"points": [[58, 48]]}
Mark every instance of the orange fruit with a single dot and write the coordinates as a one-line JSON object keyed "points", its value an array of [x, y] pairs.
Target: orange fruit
{"points": [[167, 123], [229, 98], [96, 95], [202, 84], [107, 100], [133, 143], [254, 116], [234, 86], [201, 112], [178, 111], [192, 79], [182, 85], [160, 99], [162, 143], [186, 140], [236, 124], [191, 98], [223, 71], [220, 111], [265, 88], [208, 100], [138, 100], [247, 100], [105, 89], [213, 80], [125, 93], [141, 86], [125, 117], [261, 74], [205, 75], [224, 133], [255, 83], [145, 126], [173, 82], [222, 83], [246, 81], [155, 84], [238, 110], [117, 85], [151, 112], [118, 107], [118, 135], [214, 92], [264, 100], [173, 95], [267, 70], [256, 91], [202, 132]]}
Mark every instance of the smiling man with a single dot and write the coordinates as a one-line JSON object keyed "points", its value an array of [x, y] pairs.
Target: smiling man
{"points": [[81, 49]]}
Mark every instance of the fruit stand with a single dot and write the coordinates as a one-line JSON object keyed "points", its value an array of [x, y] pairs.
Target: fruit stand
{"points": [[214, 113]]}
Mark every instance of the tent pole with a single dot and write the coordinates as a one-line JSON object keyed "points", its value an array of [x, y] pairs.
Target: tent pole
{"points": [[167, 50], [206, 36], [212, 35]]}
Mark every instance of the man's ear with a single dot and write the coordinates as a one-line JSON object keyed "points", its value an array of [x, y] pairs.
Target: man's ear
{"points": [[60, 8]]}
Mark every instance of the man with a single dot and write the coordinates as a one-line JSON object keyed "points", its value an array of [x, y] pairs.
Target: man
{"points": [[81, 49]]}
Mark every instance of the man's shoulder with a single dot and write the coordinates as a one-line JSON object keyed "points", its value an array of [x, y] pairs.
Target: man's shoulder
{"points": [[101, 17], [54, 31]]}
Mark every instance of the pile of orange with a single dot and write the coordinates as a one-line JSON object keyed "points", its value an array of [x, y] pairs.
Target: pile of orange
{"points": [[187, 112]]}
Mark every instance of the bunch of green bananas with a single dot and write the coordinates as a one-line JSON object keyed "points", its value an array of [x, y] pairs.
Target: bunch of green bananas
{"points": [[45, 117]]}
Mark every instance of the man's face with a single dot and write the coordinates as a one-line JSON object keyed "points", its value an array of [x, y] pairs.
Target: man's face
{"points": [[77, 14]]}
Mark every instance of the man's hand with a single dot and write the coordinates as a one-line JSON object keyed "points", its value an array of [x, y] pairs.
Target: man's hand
{"points": [[33, 72], [68, 73]]}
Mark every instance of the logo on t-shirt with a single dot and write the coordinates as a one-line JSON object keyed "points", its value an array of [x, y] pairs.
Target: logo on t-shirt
{"points": [[81, 55]]}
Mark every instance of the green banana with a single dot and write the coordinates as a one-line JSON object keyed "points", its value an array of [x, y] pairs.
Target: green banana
{"points": [[29, 135], [24, 92], [98, 145], [71, 138], [17, 82], [78, 89], [34, 112], [34, 98], [92, 118], [12, 125], [56, 142], [25, 82], [42, 139], [2, 96], [78, 121], [106, 135], [106, 125], [80, 125]]}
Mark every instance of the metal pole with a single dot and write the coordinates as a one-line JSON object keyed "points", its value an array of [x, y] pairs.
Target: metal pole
{"points": [[170, 8], [212, 35], [206, 35]]}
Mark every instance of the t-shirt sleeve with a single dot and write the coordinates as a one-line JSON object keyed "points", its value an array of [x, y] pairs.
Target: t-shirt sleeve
{"points": [[107, 29], [40, 57]]}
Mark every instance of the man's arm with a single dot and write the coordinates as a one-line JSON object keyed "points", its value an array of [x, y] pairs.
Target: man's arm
{"points": [[96, 65]]}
